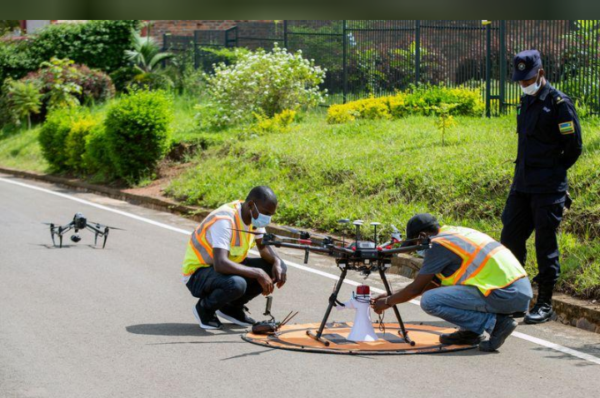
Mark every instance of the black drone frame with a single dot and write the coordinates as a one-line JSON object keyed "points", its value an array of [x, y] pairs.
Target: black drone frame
{"points": [[79, 223], [351, 258]]}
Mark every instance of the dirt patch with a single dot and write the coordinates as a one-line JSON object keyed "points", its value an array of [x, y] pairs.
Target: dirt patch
{"points": [[167, 171]]}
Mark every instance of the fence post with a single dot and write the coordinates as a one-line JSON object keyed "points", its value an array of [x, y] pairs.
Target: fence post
{"points": [[502, 65], [196, 50], [488, 72], [417, 51], [344, 59], [285, 34]]}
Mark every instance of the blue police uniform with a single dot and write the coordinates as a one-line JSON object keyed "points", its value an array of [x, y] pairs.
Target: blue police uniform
{"points": [[549, 144]]}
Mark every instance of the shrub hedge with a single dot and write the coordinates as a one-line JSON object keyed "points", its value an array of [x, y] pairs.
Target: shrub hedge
{"points": [[417, 101], [137, 128], [99, 44]]}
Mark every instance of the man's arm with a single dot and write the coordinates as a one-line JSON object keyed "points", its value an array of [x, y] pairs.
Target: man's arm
{"points": [[570, 129], [279, 268], [422, 283], [224, 265]]}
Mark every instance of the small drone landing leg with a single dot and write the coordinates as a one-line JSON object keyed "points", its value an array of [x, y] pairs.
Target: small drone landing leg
{"points": [[332, 300], [402, 330]]}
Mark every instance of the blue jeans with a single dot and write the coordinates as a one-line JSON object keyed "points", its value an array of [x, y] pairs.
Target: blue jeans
{"points": [[467, 308]]}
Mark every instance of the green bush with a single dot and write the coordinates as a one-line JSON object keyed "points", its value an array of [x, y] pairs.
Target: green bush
{"points": [[97, 155], [424, 100], [53, 137], [137, 128], [22, 99], [264, 82], [76, 141], [99, 44], [123, 76], [15, 60]]}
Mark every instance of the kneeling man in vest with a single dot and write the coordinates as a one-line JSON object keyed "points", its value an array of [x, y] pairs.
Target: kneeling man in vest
{"points": [[216, 269], [482, 283]]}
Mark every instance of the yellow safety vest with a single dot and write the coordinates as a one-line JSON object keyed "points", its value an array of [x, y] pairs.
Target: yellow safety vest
{"points": [[486, 263], [199, 251]]}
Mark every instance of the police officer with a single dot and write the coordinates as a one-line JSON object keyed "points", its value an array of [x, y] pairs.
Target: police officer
{"points": [[549, 144]]}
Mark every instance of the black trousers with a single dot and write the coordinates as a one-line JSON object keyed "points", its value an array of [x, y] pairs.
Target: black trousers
{"points": [[542, 213], [216, 290]]}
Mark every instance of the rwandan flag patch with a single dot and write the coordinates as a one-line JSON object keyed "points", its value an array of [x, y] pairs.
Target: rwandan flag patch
{"points": [[566, 128]]}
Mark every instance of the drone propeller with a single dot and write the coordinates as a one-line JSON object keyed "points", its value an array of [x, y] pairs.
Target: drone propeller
{"points": [[307, 235], [98, 225]]}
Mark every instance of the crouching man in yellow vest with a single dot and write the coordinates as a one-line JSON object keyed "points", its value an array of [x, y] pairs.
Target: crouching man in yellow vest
{"points": [[482, 283], [216, 268]]}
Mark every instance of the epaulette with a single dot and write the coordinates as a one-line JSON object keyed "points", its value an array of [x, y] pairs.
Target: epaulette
{"points": [[557, 96]]}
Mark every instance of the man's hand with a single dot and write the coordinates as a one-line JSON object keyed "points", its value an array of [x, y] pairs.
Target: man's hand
{"points": [[279, 274], [265, 281], [379, 304]]}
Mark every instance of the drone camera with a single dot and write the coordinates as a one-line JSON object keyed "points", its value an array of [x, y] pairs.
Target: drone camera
{"points": [[79, 221], [75, 238]]}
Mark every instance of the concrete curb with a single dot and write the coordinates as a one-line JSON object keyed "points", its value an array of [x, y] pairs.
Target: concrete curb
{"points": [[569, 310]]}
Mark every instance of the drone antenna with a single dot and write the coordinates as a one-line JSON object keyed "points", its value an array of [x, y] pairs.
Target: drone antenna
{"points": [[357, 223], [375, 224], [344, 221]]}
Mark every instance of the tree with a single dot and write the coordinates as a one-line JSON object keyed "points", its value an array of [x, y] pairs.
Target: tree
{"points": [[146, 54]]}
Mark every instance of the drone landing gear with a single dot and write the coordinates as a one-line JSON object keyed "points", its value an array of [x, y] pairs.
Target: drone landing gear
{"points": [[333, 300]]}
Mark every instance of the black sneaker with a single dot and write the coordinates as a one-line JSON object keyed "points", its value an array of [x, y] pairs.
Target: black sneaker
{"points": [[461, 337], [540, 313], [504, 327], [236, 315], [206, 319]]}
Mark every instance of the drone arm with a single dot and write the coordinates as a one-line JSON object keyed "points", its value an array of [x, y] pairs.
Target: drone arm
{"points": [[407, 249], [314, 249], [95, 230]]}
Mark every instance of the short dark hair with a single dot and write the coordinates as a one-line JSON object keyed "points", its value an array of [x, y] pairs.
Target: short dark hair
{"points": [[262, 194]]}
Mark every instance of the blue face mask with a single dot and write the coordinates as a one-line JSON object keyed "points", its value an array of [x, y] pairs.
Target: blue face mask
{"points": [[262, 220]]}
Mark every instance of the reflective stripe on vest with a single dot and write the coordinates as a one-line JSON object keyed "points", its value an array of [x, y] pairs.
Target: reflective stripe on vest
{"points": [[241, 242], [486, 264]]}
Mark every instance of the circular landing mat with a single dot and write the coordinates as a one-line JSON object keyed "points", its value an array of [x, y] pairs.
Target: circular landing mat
{"points": [[294, 337]]}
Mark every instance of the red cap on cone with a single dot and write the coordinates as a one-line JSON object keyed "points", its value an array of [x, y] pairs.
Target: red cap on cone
{"points": [[363, 290]]}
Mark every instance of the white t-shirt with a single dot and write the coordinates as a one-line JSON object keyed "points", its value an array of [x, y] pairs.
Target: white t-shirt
{"points": [[219, 234]]}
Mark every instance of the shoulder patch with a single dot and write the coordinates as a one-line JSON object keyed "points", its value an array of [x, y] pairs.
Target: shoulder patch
{"points": [[559, 99], [566, 127]]}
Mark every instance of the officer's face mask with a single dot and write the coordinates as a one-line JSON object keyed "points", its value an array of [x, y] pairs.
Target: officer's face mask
{"points": [[262, 220], [533, 88]]}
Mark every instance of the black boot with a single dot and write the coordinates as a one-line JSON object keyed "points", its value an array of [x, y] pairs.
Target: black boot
{"points": [[461, 337], [505, 325], [542, 310]]}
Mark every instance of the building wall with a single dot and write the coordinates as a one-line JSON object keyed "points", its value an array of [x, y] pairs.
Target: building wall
{"points": [[187, 27]]}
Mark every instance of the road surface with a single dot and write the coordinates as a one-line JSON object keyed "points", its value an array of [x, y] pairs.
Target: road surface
{"points": [[86, 322]]}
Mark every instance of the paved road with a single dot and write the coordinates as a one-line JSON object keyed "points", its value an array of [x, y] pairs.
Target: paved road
{"points": [[83, 322]]}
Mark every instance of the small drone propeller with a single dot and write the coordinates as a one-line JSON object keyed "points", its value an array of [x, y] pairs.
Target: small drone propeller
{"points": [[98, 225]]}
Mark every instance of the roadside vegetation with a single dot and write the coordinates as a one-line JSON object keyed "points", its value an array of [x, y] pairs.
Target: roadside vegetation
{"points": [[426, 149]]}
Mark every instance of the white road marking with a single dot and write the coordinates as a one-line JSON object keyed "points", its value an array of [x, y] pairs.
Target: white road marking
{"points": [[523, 336]]}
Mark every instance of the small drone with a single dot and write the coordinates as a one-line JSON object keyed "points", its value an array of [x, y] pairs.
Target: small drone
{"points": [[79, 223]]}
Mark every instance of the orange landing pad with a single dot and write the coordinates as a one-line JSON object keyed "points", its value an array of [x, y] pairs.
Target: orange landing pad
{"points": [[294, 337]]}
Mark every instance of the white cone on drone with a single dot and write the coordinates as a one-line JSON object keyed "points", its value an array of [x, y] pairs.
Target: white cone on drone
{"points": [[362, 330]]}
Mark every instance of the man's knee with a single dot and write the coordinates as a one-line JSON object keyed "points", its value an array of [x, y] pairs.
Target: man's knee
{"points": [[236, 287], [429, 302]]}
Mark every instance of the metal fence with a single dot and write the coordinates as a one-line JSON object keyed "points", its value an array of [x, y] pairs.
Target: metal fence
{"points": [[378, 57]]}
